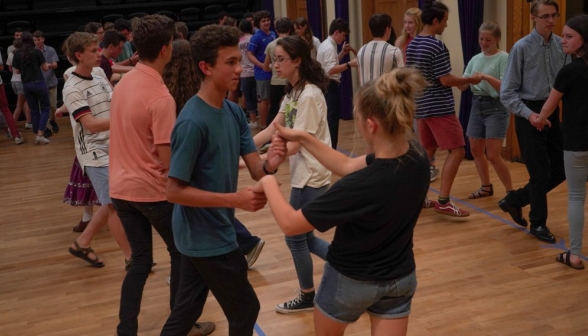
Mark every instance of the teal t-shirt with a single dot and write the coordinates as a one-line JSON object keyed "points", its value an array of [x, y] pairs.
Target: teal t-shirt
{"points": [[206, 144], [494, 66]]}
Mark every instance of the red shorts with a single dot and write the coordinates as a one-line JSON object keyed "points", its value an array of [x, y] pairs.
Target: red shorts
{"points": [[440, 132]]}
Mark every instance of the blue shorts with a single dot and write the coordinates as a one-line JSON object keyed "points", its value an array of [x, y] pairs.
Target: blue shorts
{"points": [[99, 178], [344, 299], [488, 120]]}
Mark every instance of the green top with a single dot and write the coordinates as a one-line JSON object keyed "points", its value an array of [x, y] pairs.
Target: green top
{"points": [[206, 145], [494, 66]]}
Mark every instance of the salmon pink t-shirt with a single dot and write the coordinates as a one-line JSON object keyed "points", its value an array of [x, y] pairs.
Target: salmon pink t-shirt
{"points": [[143, 114]]}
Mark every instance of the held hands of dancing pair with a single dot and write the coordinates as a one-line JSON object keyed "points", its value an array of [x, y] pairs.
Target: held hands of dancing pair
{"points": [[538, 121], [253, 197]]}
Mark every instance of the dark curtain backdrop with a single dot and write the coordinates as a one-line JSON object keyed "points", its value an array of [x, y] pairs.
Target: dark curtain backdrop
{"points": [[471, 16], [315, 18], [421, 3], [269, 6], [342, 11]]}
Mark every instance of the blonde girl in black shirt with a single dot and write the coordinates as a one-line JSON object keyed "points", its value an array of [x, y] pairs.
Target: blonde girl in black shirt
{"points": [[374, 207]]}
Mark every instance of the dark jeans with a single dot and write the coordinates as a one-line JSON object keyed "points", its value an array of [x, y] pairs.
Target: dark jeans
{"points": [[137, 219], [542, 152], [276, 95], [226, 276], [245, 240], [333, 98], [38, 99]]}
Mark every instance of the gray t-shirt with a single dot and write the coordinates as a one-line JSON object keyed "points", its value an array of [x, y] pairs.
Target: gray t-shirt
{"points": [[270, 51], [50, 57]]}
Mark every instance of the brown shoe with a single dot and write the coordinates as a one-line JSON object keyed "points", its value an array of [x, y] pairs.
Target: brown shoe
{"points": [[81, 226], [202, 329]]}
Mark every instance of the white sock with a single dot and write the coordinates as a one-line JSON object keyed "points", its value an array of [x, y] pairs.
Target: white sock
{"points": [[88, 210]]}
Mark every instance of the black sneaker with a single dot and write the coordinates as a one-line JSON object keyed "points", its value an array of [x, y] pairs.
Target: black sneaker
{"points": [[54, 126], [303, 302], [48, 133]]}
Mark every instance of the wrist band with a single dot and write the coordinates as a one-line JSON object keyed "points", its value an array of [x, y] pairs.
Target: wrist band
{"points": [[267, 172]]}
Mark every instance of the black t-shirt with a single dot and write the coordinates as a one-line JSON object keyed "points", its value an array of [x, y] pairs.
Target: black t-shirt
{"points": [[30, 69], [375, 210], [572, 81], [105, 65]]}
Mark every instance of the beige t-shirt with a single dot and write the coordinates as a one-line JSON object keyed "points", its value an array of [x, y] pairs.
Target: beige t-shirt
{"points": [[270, 52], [307, 111]]}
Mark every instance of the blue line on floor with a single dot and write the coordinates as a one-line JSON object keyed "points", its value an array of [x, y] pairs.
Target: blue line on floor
{"points": [[258, 330], [559, 245]]}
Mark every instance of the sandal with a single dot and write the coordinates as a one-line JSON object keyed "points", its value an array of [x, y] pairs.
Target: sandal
{"points": [[564, 258], [81, 226], [484, 191], [83, 252]]}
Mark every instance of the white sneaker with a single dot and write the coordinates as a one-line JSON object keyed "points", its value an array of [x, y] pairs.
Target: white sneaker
{"points": [[28, 125], [18, 140], [41, 140], [8, 135], [253, 125]]}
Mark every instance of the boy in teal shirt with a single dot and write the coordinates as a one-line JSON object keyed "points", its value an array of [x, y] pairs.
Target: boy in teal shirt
{"points": [[210, 135]]}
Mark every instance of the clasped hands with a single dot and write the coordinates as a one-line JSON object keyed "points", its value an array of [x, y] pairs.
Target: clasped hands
{"points": [[538, 122]]}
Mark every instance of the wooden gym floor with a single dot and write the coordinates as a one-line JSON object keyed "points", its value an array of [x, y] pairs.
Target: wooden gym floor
{"points": [[482, 275]]}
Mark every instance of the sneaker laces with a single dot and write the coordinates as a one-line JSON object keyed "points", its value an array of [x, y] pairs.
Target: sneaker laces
{"points": [[296, 301]]}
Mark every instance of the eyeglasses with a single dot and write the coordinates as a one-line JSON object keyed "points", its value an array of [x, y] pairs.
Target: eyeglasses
{"points": [[547, 16], [280, 60]]}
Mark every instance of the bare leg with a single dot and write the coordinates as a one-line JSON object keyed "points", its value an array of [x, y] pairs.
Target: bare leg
{"points": [[493, 151], [450, 169], [118, 232], [20, 99], [477, 146], [324, 326], [389, 327], [98, 221], [263, 108]]}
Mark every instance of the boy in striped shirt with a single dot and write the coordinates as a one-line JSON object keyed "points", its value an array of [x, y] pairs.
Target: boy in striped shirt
{"points": [[437, 123]]}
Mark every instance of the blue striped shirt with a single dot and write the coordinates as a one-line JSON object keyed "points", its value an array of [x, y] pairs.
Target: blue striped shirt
{"points": [[431, 57], [530, 73]]}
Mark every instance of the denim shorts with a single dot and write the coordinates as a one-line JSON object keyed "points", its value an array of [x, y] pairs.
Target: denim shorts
{"points": [[344, 299], [488, 120], [99, 178], [249, 93], [17, 87]]}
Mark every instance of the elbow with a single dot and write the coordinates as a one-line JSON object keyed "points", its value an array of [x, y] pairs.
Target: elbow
{"points": [[171, 193]]}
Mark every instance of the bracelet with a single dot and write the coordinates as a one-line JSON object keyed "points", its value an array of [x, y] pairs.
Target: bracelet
{"points": [[267, 172], [348, 66]]}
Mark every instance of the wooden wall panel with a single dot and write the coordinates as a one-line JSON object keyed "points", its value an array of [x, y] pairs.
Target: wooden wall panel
{"points": [[394, 8]]}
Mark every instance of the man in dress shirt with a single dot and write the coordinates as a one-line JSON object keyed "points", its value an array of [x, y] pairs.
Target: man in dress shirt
{"points": [[533, 64], [327, 56]]}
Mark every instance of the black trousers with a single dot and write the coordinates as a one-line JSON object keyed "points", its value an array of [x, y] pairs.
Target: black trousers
{"points": [[276, 95], [137, 219], [333, 98], [226, 277], [542, 152]]}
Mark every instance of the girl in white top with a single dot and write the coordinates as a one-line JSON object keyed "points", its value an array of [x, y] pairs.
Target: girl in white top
{"points": [[489, 118], [303, 108], [303, 30]]}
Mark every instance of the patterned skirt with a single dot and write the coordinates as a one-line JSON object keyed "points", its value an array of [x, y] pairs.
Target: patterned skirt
{"points": [[79, 190]]}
